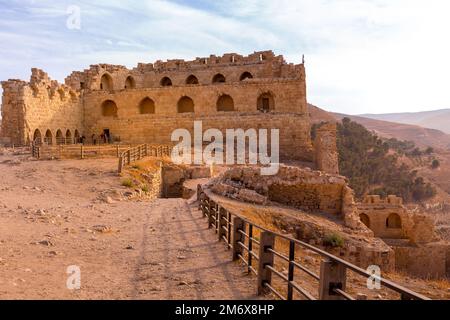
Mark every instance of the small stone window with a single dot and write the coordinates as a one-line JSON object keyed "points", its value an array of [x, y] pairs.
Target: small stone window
{"points": [[147, 106], [219, 78], [109, 109], [185, 105], [394, 221], [166, 82]]}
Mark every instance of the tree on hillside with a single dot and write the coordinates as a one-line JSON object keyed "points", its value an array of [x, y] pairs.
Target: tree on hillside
{"points": [[365, 160]]}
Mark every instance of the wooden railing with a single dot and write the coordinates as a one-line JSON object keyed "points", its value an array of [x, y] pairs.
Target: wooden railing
{"points": [[255, 247], [145, 150], [76, 151]]}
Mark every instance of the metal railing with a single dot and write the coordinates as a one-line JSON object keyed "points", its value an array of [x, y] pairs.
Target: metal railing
{"points": [[145, 150], [240, 236]]}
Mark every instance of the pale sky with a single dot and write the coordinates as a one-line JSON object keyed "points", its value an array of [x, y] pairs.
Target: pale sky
{"points": [[362, 56]]}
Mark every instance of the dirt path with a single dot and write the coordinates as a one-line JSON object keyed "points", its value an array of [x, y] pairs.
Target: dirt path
{"points": [[53, 215]]}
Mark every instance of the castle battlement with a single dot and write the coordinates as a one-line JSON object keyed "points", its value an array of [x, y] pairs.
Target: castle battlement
{"points": [[145, 104]]}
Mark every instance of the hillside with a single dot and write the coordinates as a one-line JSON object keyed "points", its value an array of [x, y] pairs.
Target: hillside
{"points": [[436, 119], [422, 137]]}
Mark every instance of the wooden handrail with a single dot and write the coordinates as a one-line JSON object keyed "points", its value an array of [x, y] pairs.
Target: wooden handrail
{"points": [[138, 153], [210, 210]]}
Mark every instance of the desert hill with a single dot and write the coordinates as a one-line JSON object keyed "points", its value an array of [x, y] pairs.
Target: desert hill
{"points": [[436, 119], [422, 137]]}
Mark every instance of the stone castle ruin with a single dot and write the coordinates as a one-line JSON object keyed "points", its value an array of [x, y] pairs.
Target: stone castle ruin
{"points": [[145, 104], [260, 91]]}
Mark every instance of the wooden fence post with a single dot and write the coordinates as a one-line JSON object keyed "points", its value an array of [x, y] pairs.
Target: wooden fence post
{"points": [[238, 224], [118, 151], [267, 241], [120, 164], [82, 152], [332, 276], [210, 215], [222, 213], [199, 191]]}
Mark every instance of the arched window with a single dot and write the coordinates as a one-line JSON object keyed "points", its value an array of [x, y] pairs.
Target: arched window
{"points": [[394, 221], [48, 137], [59, 137], [106, 83], [147, 106], [130, 83], [185, 105], [246, 75], [266, 103], [166, 82], [225, 103], [76, 136], [37, 137], [365, 219], [219, 78], [192, 79], [109, 109], [68, 137]]}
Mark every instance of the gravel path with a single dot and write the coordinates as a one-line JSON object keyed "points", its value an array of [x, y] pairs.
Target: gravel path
{"points": [[53, 215]]}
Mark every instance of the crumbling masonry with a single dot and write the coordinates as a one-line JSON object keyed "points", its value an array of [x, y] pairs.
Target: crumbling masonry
{"points": [[145, 104]]}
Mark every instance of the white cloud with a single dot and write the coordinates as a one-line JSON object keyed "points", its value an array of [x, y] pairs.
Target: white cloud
{"points": [[362, 55]]}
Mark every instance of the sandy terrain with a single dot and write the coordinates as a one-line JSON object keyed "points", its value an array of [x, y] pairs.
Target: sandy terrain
{"points": [[53, 214]]}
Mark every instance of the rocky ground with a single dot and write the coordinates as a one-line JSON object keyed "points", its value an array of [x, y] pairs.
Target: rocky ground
{"points": [[56, 214]]}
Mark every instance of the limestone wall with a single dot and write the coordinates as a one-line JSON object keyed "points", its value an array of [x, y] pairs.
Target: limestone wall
{"points": [[131, 126], [302, 188], [426, 261], [31, 109], [389, 219], [232, 66], [261, 91], [326, 154]]}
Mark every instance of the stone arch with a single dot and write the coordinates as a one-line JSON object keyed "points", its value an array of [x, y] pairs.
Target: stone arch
{"points": [[130, 83], [147, 106], [76, 136], [106, 82], [185, 105], [48, 137], [394, 221], [59, 137], [225, 103], [191, 79], [365, 219], [37, 137], [219, 78], [68, 137], [165, 82], [109, 109], [266, 102], [245, 75]]}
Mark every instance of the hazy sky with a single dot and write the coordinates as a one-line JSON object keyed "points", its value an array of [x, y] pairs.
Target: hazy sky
{"points": [[362, 56]]}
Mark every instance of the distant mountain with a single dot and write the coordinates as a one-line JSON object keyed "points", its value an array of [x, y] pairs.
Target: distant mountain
{"points": [[437, 119], [422, 137]]}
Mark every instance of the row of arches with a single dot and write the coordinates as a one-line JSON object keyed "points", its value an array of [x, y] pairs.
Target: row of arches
{"points": [[393, 221], [224, 103], [59, 138], [106, 82]]}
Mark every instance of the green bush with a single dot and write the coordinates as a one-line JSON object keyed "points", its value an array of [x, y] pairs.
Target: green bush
{"points": [[127, 183], [333, 240], [145, 188]]}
